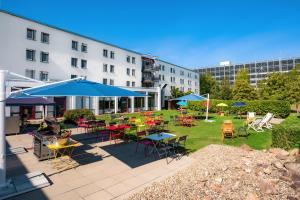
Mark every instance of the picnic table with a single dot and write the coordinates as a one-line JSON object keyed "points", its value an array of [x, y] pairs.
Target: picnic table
{"points": [[157, 138]]}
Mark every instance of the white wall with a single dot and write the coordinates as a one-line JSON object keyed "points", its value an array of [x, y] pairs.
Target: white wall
{"points": [[14, 44]]}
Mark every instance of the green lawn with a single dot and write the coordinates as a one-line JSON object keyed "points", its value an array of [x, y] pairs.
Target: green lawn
{"points": [[205, 133]]}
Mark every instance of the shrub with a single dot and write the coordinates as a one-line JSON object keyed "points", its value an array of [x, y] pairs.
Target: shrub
{"points": [[261, 107], [286, 137], [72, 116]]}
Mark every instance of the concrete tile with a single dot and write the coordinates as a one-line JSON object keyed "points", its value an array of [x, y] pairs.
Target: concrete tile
{"points": [[72, 195], [87, 190], [103, 195], [106, 182], [118, 189]]}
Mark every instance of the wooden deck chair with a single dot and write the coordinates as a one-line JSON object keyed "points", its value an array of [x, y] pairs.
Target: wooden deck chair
{"points": [[250, 117], [260, 123], [227, 129]]}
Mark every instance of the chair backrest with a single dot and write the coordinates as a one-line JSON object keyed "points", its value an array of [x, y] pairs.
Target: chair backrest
{"points": [[227, 121], [141, 134], [267, 118], [172, 141], [250, 115], [227, 127], [182, 139]]}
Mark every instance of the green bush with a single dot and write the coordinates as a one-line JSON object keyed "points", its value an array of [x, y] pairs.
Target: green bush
{"points": [[72, 116], [286, 137], [261, 107]]}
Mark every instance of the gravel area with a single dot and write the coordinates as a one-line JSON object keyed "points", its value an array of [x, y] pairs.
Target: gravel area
{"points": [[225, 172]]}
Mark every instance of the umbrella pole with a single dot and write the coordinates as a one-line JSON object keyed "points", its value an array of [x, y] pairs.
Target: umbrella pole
{"points": [[2, 129], [207, 102]]}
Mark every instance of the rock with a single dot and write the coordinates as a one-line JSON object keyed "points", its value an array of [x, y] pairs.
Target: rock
{"points": [[219, 180], [296, 185], [279, 153], [224, 168], [252, 196], [291, 198], [267, 186], [267, 170], [207, 198], [294, 152], [278, 165], [248, 170], [293, 168], [263, 165], [246, 147], [258, 172], [236, 185], [216, 188]]}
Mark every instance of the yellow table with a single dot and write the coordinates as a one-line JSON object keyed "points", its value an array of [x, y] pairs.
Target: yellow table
{"points": [[64, 150]]}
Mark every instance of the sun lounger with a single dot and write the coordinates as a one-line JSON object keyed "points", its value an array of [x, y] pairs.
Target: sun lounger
{"points": [[260, 123]]}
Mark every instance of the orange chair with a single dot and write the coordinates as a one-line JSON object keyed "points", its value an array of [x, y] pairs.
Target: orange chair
{"points": [[227, 129]]}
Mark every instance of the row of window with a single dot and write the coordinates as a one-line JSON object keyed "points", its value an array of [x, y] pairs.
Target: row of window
{"points": [[43, 76], [130, 59], [128, 84], [132, 72], [105, 81], [84, 47], [31, 54], [31, 35], [74, 63], [111, 68]]}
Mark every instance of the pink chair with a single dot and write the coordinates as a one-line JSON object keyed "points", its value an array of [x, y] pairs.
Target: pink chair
{"points": [[140, 140]]}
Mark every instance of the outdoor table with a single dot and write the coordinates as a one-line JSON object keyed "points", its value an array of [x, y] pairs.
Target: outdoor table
{"points": [[63, 150], [114, 128], [157, 138]]}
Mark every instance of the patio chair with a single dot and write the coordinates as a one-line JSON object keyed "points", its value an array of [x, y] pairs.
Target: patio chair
{"points": [[250, 117], [260, 123], [140, 140], [139, 124], [227, 129], [81, 123], [180, 144]]}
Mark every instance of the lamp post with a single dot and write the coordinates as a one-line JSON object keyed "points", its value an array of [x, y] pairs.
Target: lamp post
{"points": [[207, 104], [2, 128]]}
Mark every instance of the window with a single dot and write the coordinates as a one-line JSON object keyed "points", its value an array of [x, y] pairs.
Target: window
{"points": [[74, 45], [181, 81], [133, 60], [172, 70], [112, 69], [104, 81], [128, 71], [112, 55], [73, 76], [181, 73], [30, 54], [133, 72], [163, 77], [45, 38], [44, 57], [105, 52], [196, 77], [111, 82], [128, 83], [133, 84], [84, 47], [30, 73], [128, 59], [104, 67], [74, 62], [44, 76], [163, 68], [83, 64], [31, 34]]}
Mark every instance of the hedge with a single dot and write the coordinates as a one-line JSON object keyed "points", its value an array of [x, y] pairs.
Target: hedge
{"points": [[72, 116], [286, 137], [261, 107]]}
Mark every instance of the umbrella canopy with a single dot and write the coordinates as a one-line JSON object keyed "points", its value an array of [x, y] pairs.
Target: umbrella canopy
{"points": [[222, 105], [78, 87], [191, 97], [239, 104], [182, 103], [28, 101]]}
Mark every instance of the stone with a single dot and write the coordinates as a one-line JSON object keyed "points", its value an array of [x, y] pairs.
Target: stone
{"points": [[279, 153], [278, 165], [219, 180], [267, 170], [293, 167], [291, 198], [224, 168], [236, 185], [267, 186], [246, 147], [296, 185], [207, 198], [252, 196], [294, 152], [248, 170], [216, 188]]}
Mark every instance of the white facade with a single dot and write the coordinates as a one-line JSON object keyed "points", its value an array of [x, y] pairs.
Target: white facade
{"points": [[179, 77], [127, 64]]}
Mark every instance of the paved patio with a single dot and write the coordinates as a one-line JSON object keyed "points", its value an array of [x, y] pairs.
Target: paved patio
{"points": [[104, 171]]}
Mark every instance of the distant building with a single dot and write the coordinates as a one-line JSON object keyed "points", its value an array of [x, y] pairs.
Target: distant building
{"points": [[258, 70]]}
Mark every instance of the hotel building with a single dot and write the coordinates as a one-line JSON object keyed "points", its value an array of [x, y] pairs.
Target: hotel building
{"points": [[46, 53]]}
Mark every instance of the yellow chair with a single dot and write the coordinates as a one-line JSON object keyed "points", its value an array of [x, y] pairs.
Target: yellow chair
{"points": [[139, 124], [227, 129]]}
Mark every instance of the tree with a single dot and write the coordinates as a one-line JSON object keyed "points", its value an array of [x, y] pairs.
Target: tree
{"points": [[175, 93], [242, 90], [225, 89], [207, 82], [293, 87]]}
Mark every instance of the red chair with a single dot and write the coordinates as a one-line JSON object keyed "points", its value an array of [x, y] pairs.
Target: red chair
{"points": [[140, 140], [82, 123]]}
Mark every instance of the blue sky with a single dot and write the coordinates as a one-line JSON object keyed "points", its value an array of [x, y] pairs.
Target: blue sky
{"points": [[190, 33]]}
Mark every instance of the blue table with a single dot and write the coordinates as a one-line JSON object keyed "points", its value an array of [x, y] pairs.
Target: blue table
{"points": [[159, 136]]}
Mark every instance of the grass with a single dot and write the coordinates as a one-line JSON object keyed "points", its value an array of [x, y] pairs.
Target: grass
{"points": [[205, 133]]}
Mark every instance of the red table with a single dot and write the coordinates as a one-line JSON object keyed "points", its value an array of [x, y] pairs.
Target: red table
{"points": [[114, 128]]}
